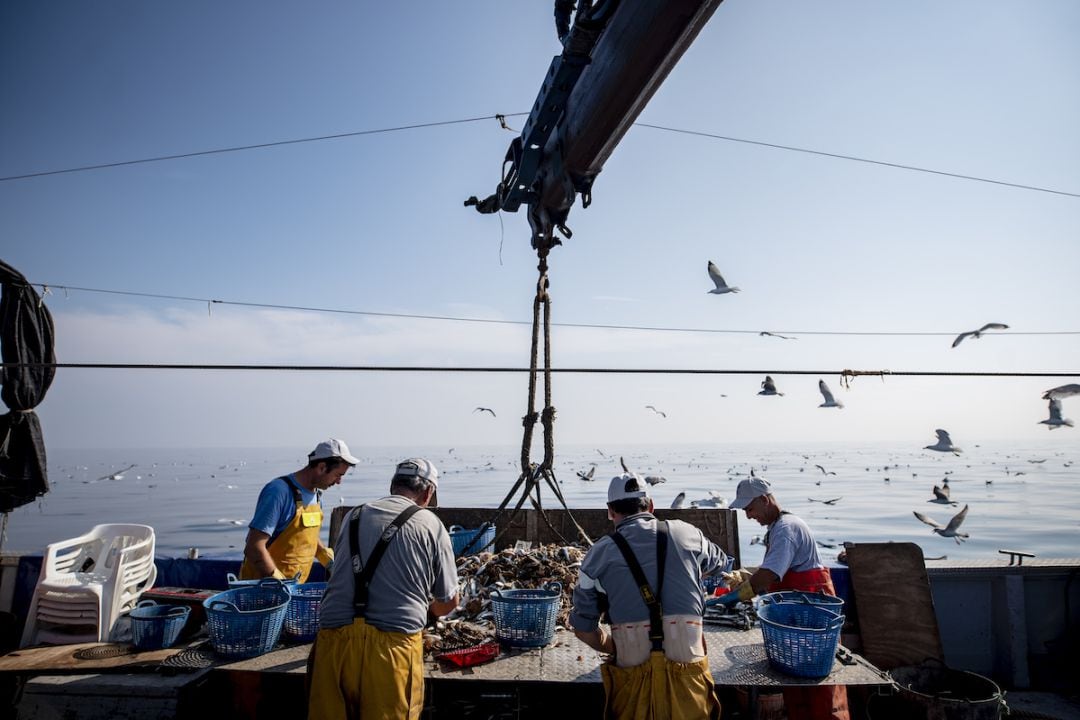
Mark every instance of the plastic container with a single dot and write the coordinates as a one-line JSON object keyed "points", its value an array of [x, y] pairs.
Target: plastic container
{"points": [[801, 636], [469, 656], [462, 539], [932, 690], [246, 621], [154, 627], [302, 616], [526, 618], [802, 597]]}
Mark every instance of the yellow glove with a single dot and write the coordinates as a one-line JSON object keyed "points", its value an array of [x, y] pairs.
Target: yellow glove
{"points": [[278, 575], [746, 592], [325, 556], [735, 578]]}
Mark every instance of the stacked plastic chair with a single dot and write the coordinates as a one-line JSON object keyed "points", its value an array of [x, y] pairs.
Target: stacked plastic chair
{"points": [[87, 582]]}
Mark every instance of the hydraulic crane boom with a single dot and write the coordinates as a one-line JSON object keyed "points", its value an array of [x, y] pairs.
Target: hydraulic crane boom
{"points": [[615, 56]]}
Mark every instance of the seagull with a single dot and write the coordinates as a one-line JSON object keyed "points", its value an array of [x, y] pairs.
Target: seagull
{"points": [[978, 333], [768, 387], [679, 502], [715, 499], [941, 495], [721, 286], [943, 444], [833, 501], [587, 475], [484, 409], [950, 530], [661, 413], [824, 471], [1061, 392], [655, 479], [827, 394], [1055, 420], [766, 333]]}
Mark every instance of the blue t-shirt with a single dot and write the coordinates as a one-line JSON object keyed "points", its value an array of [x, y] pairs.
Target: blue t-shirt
{"points": [[276, 507]]}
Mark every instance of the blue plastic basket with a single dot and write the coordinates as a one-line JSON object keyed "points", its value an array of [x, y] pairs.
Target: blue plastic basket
{"points": [[246, 621], [801, 636], [154, 626], [802, 597], [235, 582], [462, 538], [302, 615], [526, 618]]}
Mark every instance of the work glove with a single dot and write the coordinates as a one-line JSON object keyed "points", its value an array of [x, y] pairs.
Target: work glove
{"points": [[746, 592], [325, 556], [736, 578]]}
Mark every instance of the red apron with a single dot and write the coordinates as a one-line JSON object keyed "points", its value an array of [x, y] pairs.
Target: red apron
{"points": [[822, 701]]}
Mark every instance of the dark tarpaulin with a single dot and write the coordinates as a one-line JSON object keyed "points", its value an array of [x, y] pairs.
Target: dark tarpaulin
{"points": [[26, 337]]}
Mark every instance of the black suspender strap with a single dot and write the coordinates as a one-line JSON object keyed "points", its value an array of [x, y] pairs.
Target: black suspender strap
{"points": [[362, 577], [652, 600]]}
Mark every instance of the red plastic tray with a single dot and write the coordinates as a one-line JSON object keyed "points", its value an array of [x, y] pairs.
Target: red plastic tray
{"points": [[469, 656]]}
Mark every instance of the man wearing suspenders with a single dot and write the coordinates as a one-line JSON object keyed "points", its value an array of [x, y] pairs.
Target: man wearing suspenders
{"points": [[396, 564], [791, 563], [283, 536], [648, 575]]}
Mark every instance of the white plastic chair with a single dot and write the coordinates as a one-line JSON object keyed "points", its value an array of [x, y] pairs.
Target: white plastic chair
{"points": [[87, 582]]}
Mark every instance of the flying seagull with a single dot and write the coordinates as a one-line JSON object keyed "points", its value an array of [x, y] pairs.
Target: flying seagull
{"points": [[978, 333], [768, 387], [944, 443], [833, 501], [661, 413], [721, 286], [766, 333], [824, 471], [1055, 420], [941, 495], [483, 409], [587, 475], [678, 502], [827, 394], [655, 479], [1061, 392], [950, 530]]}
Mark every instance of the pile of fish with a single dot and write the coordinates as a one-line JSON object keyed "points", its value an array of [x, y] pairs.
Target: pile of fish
{"points": [[473, 620]]}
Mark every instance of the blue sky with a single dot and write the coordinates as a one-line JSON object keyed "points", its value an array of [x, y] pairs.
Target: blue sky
{"points": [[376, 222]]}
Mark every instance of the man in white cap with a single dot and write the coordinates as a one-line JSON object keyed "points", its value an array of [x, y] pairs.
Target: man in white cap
{"points": [[791, 563], [283, 536], [647, 574], [368, 659]]}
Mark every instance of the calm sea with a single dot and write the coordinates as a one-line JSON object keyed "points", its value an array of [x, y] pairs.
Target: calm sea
{"points": [[1024, 497]]}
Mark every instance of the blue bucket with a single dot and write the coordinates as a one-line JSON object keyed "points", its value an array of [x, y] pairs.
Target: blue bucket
{"points": [[154, 627], [462, 539], [245, 622], [801, 632], [526, 618]]}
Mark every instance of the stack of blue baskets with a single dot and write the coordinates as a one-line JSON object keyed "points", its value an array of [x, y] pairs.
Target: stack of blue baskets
{"points": [[302, 616], [526, 618], [246, 621], [462, 539], [801, 631], [154, 626]]}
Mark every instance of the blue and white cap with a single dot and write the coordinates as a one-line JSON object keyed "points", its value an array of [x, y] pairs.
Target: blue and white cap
{"points": [[627, 486], [418, 467]]}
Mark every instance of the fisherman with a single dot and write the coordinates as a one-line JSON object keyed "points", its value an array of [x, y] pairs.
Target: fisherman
{"points": [[283, 536], [647, 574], [368, 657], [791, 563]]}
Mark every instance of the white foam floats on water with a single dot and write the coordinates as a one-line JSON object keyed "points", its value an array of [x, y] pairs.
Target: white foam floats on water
{"points": [[1022, 496]]}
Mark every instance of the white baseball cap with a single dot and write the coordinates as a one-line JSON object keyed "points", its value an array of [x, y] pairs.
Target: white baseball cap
{"points": [[418, 467], [748, 490], [332, 448], [626, 486]]}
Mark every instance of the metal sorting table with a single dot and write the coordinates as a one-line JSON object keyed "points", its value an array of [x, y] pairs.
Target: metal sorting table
{"points": [[736, 657]]}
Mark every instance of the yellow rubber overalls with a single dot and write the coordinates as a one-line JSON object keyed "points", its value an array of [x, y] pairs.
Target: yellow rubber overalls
{"points": [[294, 548]]}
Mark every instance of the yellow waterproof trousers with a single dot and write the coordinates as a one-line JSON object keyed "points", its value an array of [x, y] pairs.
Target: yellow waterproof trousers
{"points": [[660, 689], [363, 673]]}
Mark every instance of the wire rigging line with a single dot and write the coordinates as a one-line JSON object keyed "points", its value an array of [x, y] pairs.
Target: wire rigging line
{"points": [[505, 370], [493, 321], [501, 118], [855, 158], [257, 146]]}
